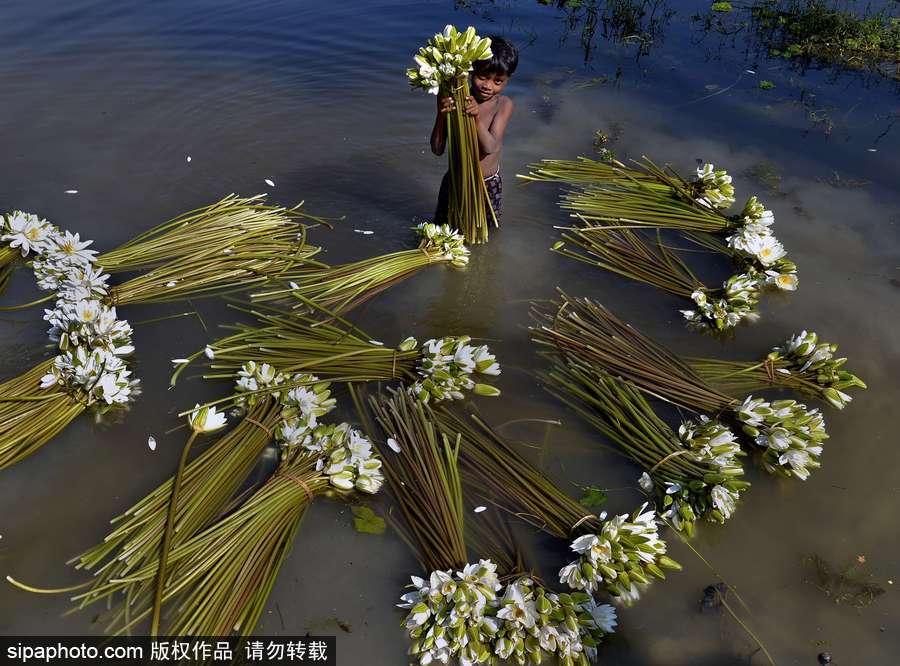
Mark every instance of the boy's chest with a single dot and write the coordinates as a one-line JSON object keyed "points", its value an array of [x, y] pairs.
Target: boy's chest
{"points": [[488, 110]]}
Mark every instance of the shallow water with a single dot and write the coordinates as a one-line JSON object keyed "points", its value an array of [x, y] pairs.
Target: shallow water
{"points": [[111, 99]]}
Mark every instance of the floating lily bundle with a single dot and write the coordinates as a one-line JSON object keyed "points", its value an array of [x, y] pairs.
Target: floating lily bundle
{"points": [[609, 199], [618, 556], [439, 369], [692, 474], [802, 364], [462, 611], [228, 246], [442, 67], [343, 287], [584, 333]]}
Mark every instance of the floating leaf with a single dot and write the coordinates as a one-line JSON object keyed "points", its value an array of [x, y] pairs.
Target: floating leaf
{"points": [[593, 497], [367, 521]]}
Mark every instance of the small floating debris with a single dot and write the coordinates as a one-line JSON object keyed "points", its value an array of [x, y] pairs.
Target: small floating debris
{"points": [[479, 509], [872, 150], [364, 232], [151, 442], [270, 183], [749, 71], [188, 158], [71, 192], [180, 361]]}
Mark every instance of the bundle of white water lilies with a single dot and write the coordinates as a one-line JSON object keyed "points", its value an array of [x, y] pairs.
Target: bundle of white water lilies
{"points": [[447, 56], [614, 205]]}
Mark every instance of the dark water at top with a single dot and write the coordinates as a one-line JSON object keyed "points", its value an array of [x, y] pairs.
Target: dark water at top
{"points": [[111, 98]]}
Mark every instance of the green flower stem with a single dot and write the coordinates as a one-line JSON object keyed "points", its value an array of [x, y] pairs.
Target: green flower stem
{"points": [[167, 537]]}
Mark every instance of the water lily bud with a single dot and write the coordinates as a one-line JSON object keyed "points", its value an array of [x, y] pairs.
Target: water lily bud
{"points": [[557, 245], [669, 563], [486, 390], [408, 344], [206, 420]]}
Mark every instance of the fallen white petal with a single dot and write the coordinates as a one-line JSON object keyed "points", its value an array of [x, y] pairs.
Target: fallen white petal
{"points": [[376, 342], [180, 361], [872, 150], [270, 183], [210, 354], [364, 232], [188, 158], [479, 509], [750, 71], [391, 442], [71, 191], [151, 442], [171, 284]]}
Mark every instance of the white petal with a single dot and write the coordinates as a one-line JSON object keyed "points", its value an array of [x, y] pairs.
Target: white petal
{"points": [[479, 509], [210, 353], [395, 447], [71, 192], [188, 158], [151, 442], [180, 361], [270, 183]]}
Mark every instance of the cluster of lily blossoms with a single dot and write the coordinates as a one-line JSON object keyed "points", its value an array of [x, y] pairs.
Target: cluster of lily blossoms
{"points": [[446, 367], [811, 358], [715, 492], [535, 624], [444, 242], [626, 553], [92, 341], [446, 56], [762, 256], [790, 434], [469, 617], [342, 453]]}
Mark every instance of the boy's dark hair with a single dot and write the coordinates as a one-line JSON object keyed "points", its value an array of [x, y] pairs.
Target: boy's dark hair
{"points": [[504, 58]]}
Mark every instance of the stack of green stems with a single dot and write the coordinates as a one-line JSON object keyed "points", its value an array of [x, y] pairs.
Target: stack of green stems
{"points": [[209, 488], [29, 416], [424, 480], [619, 411], [615, 195], [493, 469], [342, 287], [584, 332], [625, 253], [221, 577], [9, 257], [232, 221], [739, 378], [213, 271], [295, 344], [468, 204]]}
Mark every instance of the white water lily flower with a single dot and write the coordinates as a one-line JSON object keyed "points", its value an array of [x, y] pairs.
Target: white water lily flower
{"points": [[27, 232], [767, 249], [603, 615], [206, 419], [724, 500], [71, 246]]}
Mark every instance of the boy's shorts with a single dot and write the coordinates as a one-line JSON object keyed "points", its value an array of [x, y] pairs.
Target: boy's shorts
{"points": [[494, 186]]}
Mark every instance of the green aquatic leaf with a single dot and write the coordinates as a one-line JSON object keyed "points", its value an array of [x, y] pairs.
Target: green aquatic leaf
{"points": [[593, 497], [365, 520]]}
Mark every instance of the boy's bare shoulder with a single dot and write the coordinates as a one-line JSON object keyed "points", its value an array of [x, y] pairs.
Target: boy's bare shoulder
{"points": [[505, 103]]}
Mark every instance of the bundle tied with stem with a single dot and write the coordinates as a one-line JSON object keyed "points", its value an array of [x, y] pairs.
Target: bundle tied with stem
{"points": [[442, 67], [244, 242], [342, 287], [614, 204], [581, 332], [469, 612], [437, 369], [802, 364]]}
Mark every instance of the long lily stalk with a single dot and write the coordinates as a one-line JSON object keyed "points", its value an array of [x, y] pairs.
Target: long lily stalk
{"points": [[9, 257]]}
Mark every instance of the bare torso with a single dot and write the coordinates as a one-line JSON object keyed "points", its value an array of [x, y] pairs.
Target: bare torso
{"points": [[487, 111]]}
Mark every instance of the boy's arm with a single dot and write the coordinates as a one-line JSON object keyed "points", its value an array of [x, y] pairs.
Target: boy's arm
{"points": [[439, 131], [490, 138]]}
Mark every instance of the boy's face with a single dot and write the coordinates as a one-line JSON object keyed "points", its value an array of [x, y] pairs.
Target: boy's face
{"points": [[487, 85]]}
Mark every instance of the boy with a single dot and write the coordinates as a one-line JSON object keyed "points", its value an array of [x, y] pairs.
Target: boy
{"points": [[491, 111]]}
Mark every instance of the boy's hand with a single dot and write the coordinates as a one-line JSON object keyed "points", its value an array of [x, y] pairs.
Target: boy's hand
{"points": [[445, 104], [471, 107]]}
